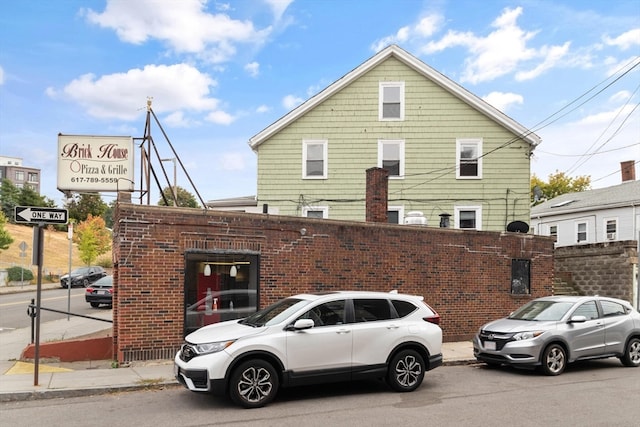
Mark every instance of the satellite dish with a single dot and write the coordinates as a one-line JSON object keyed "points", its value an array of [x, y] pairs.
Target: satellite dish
{"points": [[518, 227]]}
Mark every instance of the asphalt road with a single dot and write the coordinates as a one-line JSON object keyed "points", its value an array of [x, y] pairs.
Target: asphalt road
{"points": [[13, 307], [599, 393]]}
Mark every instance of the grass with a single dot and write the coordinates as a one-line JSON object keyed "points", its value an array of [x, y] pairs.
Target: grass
{"points": [[55, 255]]}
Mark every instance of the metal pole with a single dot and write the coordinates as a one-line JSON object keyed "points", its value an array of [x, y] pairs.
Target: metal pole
{"points": [[40, 232], [70, 237]]}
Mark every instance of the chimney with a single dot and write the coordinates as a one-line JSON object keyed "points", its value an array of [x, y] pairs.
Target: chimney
{"points": [[628, 170], [377, 195]]}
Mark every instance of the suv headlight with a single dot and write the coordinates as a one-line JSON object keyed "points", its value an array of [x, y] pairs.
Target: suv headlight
{"points": [[527, 335], [212, 347]]}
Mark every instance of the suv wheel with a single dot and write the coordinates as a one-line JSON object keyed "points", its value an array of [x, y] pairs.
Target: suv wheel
{"points": [[554, 360], [85, 283], [631, 356], [406, 371], [253, 384]]}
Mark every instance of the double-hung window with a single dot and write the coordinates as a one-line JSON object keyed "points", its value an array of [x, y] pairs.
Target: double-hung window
{"points": [[395, 214], [611, 228], [469, 158], [581, 232], [391, 157], [391, 101], [315, 212], [314, 159], [468, 217]]}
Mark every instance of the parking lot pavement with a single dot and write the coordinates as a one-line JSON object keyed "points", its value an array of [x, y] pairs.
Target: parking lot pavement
{"points": [[59, 379]]}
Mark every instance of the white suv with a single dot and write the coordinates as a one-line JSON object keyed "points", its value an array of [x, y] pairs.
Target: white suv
{"points": [[319, 338]]}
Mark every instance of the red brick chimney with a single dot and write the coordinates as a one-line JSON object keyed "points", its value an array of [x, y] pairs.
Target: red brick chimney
{"points": [[628, 170], [377, 195]]}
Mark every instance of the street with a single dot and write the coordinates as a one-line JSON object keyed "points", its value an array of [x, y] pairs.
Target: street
{"points": [[598, 393], [13, 307]]}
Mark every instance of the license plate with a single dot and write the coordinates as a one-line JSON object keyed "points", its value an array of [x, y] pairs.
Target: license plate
{"points": [[490, 345], [103, 292]]}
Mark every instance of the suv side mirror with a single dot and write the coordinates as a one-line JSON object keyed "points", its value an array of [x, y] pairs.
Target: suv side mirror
{"points": [[301, 324], [578, 319]]}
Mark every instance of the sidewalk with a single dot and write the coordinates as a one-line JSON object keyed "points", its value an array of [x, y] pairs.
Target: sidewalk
{"points": [[56, 379]]}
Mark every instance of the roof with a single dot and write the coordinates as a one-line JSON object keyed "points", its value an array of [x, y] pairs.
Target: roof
{"points": [[242, 201], [625, 194], [416, 64]]}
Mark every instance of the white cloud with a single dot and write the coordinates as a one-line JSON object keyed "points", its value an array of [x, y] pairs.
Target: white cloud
{"points": [[177, 119], [185, 26], [124, 95], [253, 68], [290, 102], [425, 27], [503, 101], [625, 40], [501, 52], [220, 117], [233, 161], [1, 76], [263, 109], [278, 7]]}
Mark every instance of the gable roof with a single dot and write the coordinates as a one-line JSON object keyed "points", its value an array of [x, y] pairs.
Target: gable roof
{"points": [[416, 64], [625, 194]]}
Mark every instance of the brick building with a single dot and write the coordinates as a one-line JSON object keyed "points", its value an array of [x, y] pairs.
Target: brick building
{"points": [[162, 256]]}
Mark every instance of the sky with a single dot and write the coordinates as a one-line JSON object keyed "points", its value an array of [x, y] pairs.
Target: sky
{"points": [[219, 72]]}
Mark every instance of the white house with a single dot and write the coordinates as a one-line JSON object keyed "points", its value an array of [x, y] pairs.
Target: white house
{"points": [[593, 216]]}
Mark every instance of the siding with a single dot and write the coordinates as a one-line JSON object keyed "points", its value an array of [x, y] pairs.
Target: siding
{"points": [[434, 118]]}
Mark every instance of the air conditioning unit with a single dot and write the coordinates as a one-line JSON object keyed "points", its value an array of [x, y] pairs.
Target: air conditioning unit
{"points": [[415, 218], [611, 236]]}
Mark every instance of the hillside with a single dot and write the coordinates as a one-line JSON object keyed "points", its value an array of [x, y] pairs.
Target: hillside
{"points": [[55, 255]]}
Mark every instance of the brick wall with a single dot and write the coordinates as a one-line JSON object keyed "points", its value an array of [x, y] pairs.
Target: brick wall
{"points": [[599, 268], [464, 275]]}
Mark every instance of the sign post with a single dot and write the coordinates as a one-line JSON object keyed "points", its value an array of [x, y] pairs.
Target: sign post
{"points": [[41, 216]]}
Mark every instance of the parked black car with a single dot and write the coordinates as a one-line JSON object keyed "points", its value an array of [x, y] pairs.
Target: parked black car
{"points": [[101, 292], [83, 276]]}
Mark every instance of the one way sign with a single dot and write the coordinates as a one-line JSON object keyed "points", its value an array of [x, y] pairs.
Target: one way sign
{"points": [[32, 214]]}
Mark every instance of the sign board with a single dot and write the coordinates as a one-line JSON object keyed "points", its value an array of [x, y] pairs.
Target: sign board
{"points": [[95, 163], [31, 214]]}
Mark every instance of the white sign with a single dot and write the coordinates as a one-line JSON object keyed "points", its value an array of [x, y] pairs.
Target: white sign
{"points": [[95, 163]]}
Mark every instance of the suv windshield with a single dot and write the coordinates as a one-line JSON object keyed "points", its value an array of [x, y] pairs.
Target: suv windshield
{"points": [[275, 313], [542, 311]]}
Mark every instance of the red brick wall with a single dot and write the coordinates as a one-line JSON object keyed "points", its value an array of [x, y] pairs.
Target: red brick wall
{"points": [[464, 275]]}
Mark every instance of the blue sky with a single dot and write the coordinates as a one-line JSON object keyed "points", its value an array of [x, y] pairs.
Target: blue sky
{"points": [[220, 72]]}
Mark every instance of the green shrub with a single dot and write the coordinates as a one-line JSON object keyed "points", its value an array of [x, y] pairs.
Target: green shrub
{"points": [[17, 274], [105, 262]]}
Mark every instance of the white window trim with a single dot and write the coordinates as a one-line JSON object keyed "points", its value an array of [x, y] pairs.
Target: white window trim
{"points": [[604, 228], [400, 142], [324, 209], [466, 141], [382, 85], [586, 232], [456, 216], [400, 210], [325, 160]]}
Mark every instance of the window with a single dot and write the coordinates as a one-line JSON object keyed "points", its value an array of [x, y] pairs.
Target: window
{"points": [[611, 228], [19, 175], [369, 310], [316, 212], [610, 308], [395, 214], [403, 308], [468, 217], [391, 157], [32, 177], [314, 159], [327, 314], [391, 101], [469, 158], [581, 232], [588, 310], [520, 276], [553, 232]]}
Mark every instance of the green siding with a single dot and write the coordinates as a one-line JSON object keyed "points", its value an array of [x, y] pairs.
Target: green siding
{"points": [[434, 118]]}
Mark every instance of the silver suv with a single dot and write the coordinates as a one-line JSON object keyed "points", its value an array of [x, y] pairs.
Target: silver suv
{"points": [[553, 331], [319, 338]]}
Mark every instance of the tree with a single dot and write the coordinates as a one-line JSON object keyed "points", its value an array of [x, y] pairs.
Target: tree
{"points": [[559, 183], [185, 199], [5, 238], [92, 238], [9, 199], [85, 204]]}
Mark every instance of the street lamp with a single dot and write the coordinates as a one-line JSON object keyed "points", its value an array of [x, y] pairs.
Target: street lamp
{"points": [[174, 188]]}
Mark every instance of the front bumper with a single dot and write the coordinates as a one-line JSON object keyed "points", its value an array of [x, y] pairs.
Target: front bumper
{"points": [[204, 373], [523, 353]]}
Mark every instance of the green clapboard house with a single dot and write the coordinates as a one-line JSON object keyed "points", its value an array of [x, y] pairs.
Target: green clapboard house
{"points": [[447, 151]]}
